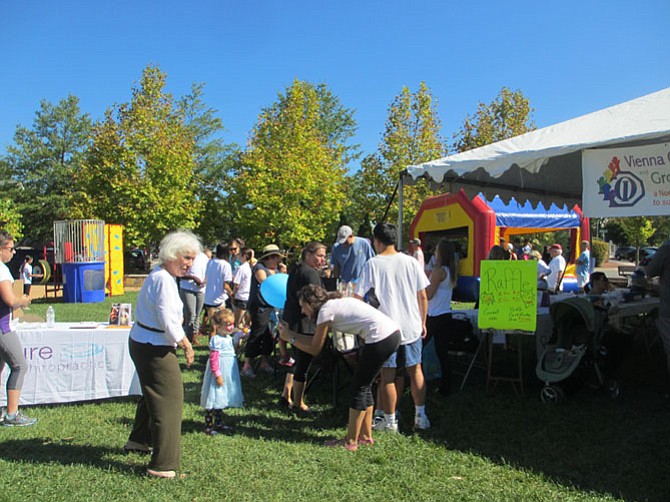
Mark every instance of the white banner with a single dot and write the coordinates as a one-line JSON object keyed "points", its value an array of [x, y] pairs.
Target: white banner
{"points": [[626, 181], [74, 363]]}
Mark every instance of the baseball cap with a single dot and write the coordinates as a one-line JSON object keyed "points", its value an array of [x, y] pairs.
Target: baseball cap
{"points": [[343, 233]]}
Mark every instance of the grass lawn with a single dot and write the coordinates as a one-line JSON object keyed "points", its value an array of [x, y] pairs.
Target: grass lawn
{"points": [[481, 447]]}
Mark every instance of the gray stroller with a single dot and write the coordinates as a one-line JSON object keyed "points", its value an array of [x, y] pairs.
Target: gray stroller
{"points": [[575, 346]]}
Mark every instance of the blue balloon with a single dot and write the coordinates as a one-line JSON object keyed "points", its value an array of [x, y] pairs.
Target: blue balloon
{"points": [[273, 290]]}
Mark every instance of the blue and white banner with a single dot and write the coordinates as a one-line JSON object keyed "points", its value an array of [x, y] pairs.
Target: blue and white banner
{"points": [[626, 181], [68, 364]]}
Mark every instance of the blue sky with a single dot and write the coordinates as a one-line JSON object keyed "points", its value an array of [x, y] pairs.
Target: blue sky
{"points": [[569, 58]]}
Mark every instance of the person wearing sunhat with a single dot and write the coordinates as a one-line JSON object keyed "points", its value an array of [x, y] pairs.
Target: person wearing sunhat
{"points": [[556, 267], [349, 255], [259, 343]]}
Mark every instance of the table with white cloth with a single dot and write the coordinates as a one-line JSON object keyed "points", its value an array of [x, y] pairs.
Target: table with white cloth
{"points": [[74, 362]]}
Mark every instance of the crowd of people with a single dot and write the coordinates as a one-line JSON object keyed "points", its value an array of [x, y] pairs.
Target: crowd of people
{"points": [[392, 301]]}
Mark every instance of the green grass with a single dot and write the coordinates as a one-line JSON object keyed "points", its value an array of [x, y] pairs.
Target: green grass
{"points": [[481, 447]]}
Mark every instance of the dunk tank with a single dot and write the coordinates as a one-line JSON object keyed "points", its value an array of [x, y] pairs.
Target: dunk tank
{"points": [[474, 226], [79, 246]]}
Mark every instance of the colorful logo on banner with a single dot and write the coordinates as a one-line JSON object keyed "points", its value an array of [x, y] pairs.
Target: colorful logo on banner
{"points": [[620, 188]]}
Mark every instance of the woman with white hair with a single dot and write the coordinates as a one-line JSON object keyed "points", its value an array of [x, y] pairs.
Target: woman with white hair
{"points": [[154, 337]]}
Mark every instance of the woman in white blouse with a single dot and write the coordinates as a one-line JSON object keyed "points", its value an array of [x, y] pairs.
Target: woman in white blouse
{"points": [[381, 337], [154, 337]]}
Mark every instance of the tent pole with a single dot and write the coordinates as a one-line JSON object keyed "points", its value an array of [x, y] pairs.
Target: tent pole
{"points": [[400, 208]]}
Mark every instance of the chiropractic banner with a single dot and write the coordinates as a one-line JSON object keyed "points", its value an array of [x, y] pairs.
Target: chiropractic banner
{"points": [[73, 362], [626, 181]]}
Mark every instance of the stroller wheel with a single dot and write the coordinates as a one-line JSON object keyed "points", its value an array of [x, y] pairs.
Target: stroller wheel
{"points": [[552, 394], [612, 387]]}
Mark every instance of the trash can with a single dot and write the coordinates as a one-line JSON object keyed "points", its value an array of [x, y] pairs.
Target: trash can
{"points": [[84, 282]]}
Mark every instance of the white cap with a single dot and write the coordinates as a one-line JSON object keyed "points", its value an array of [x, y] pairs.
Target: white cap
{"points": [[343, 233]]}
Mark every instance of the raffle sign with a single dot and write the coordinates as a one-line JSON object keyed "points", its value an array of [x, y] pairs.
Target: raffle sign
{"points": [[508, 295], [626, 181]]}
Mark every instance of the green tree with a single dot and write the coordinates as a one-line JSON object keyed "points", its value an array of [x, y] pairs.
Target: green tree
{"points": [[10, 218], [411, 136], [289, 185], [214, 161], [140, 170], [638, 230], [506, 116], [42, 162]]}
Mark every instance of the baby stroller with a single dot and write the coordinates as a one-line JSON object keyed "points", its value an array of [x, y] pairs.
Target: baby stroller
{"points": [[576, 346]]}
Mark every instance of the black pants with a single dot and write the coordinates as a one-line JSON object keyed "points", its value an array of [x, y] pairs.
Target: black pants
{"points": [[440, 328], [370, 361], [260, 339]]}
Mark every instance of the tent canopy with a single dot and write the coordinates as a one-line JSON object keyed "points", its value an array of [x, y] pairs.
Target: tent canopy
{"points": [[546, 164]]}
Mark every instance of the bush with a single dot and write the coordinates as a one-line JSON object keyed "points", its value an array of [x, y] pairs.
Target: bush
{"points": [[600, 251]]}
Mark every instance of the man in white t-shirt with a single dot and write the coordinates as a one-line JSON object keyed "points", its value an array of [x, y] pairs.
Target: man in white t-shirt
{"points": [[399, 284], [192, 294], [556, 268], [218, 275], [242, 286], [417, 252]]}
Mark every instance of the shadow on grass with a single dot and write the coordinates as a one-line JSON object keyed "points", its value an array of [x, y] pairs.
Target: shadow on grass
{"points": [[41, 451], [590, 441]]}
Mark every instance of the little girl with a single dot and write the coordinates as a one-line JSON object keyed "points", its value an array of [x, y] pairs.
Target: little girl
{"points": [[221, 386]]}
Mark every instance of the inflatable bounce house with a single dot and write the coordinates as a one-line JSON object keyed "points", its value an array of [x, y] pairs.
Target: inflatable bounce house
{"points": [[474, 226]]}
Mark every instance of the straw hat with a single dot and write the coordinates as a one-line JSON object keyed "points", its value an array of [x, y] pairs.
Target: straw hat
{"points": [[269, 250]]}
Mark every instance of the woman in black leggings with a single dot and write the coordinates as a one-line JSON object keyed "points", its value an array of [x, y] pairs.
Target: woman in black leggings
{"points": [[307, 271], [381, 337]]}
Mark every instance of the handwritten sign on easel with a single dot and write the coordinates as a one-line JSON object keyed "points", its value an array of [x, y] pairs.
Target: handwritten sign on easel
{"points": [[508, 295]]}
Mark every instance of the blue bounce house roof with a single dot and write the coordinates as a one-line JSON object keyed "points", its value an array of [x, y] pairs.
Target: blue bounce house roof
{"points": [[515, 215]]}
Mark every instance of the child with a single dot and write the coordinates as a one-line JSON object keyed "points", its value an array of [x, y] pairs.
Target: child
{"points": [[221, 386]]}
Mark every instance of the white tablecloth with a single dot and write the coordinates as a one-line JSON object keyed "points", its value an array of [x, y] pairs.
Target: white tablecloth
{"points": [[74, 362]]}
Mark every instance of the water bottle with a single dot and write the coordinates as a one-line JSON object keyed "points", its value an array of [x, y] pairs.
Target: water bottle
{"points": [[51, 317]]}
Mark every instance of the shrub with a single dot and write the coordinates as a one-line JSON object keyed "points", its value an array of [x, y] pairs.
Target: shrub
{"points": [[600, 251]]}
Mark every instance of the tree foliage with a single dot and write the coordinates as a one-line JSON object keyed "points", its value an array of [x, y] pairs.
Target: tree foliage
{"points": [[289, 186], [214, 160], [638, 230], [411, 136], [42, 163], [10, 218], [506, 116], [140, 170]]}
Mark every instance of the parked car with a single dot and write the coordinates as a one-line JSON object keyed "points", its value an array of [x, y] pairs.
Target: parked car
{"points": [[625, 253], [135, 261]]}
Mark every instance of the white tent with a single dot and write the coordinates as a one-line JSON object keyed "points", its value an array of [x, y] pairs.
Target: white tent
{"points": [[546, 164]]}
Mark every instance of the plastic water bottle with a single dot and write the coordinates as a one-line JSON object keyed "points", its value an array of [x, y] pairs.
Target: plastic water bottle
{"points": [[51, 317]]}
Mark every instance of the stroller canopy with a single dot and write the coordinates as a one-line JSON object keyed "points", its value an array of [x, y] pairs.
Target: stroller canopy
{"points": [[564, 311]]}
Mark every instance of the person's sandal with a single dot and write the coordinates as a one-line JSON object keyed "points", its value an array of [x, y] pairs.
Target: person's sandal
{"points": [[161, 474], [366, 442], [333, 443]]}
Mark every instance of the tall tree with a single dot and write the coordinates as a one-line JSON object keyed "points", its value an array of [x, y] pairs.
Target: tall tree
{"points": [[508, 115], [214, 161], [411, 136], [139, 171], [42, 162], [289, 186], [638, 231]]}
